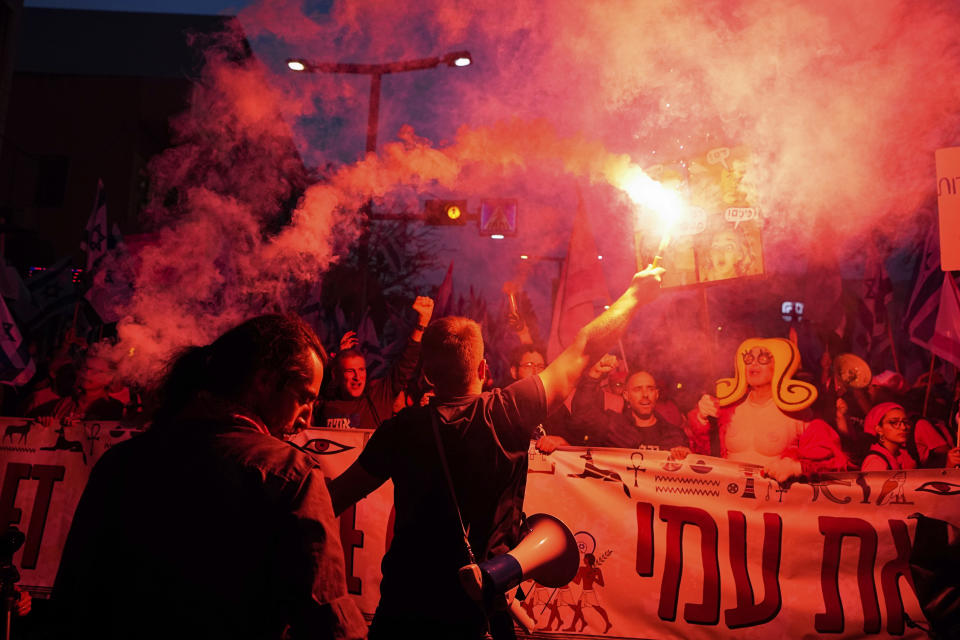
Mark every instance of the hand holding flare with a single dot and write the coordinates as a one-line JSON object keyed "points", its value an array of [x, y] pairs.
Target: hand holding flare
{"points": [[664, 200]]}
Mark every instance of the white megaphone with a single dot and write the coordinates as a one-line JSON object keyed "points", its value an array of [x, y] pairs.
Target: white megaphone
{"points": [[548, 554]]}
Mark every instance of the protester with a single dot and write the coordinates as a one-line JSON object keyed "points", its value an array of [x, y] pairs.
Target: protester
{"points": [[932, 441], [91, 397], [759, 415], [60, 383], [638, 425], [483, 439], [210, 525], [889, 423], [529, 360], [362, 404]]}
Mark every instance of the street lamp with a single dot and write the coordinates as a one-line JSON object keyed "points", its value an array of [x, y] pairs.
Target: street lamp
{"points": [[376, 72]]}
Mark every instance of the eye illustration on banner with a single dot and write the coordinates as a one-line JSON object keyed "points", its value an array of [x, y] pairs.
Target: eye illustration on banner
{"points": [[586, 543], [892, 490], [592, 471], [323, 447], [939, 488]]}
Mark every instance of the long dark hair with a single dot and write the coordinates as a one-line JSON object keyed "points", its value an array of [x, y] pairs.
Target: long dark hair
{"points": [[227, 367]]}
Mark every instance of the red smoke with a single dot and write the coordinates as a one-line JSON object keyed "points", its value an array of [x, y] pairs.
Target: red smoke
{"points": [[841, 104]]}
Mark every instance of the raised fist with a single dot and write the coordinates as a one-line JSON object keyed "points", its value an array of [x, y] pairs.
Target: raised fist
{"points": [[349, 340], [605, 365], [424, 308]]}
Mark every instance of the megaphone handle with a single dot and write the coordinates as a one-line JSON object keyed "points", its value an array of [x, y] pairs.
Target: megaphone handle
{"points": [[521, 616]]}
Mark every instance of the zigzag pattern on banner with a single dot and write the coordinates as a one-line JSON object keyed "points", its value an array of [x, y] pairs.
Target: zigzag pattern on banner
{"points": [[21, 449], [689, 491], [684, 480]]}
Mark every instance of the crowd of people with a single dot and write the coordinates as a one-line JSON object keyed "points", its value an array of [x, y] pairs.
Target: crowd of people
{"points": [[453, 443], [769, 414]]}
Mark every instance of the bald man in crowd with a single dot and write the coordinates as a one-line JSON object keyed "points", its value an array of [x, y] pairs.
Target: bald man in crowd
{"points": [[639, 425]]}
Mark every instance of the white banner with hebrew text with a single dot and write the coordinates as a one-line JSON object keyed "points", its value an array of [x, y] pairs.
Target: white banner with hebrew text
{"points": [[701, 548]]}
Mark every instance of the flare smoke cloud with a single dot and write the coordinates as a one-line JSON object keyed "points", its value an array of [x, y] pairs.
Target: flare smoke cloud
{"points": [[842, 105]]}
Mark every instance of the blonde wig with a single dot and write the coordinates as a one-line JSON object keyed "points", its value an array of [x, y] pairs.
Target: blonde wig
{"points": [[788, 394]]}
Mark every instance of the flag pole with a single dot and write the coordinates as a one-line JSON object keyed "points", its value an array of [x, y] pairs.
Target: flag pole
{"points": [[926, 396], [956, 393], [893, 345]]}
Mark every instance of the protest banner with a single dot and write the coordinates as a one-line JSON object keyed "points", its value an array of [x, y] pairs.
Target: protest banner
{"points": [[698, 548]]}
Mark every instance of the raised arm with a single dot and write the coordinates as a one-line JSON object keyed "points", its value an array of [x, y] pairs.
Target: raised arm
{"points": [[351, 486], [406, 363], [592, 341]]}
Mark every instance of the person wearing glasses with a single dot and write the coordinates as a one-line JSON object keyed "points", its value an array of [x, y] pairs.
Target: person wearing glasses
{"points": [[760, 416], [888, 421], [528, 360]]}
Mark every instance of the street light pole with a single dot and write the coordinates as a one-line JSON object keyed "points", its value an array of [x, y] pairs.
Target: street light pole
{"points": [[373, 116], [376, 73]]}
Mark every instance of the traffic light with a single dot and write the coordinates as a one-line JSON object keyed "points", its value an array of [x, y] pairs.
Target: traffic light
{"points": [[445, 212]]}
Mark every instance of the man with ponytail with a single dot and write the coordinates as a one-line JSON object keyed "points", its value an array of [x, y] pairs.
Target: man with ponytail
{"points": [[210, 525]]}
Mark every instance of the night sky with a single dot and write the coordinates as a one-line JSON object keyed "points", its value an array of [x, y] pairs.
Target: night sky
{"points": [[208, 7]]}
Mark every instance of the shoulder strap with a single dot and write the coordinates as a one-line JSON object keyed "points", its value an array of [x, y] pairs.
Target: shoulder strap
{"points": [[453, 494], [885, 459]]}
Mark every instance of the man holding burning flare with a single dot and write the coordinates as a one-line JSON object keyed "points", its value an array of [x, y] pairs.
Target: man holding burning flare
{"points": [[483, 437]]}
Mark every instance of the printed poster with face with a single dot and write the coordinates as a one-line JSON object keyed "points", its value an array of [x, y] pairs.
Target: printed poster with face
{"points": [[719, 237]]}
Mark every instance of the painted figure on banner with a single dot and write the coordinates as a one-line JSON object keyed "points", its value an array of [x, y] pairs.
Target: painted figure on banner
{"points": [[21, 431], [592, 471], [589, 575], [562, 597], [538, 599], [760, 415]]}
